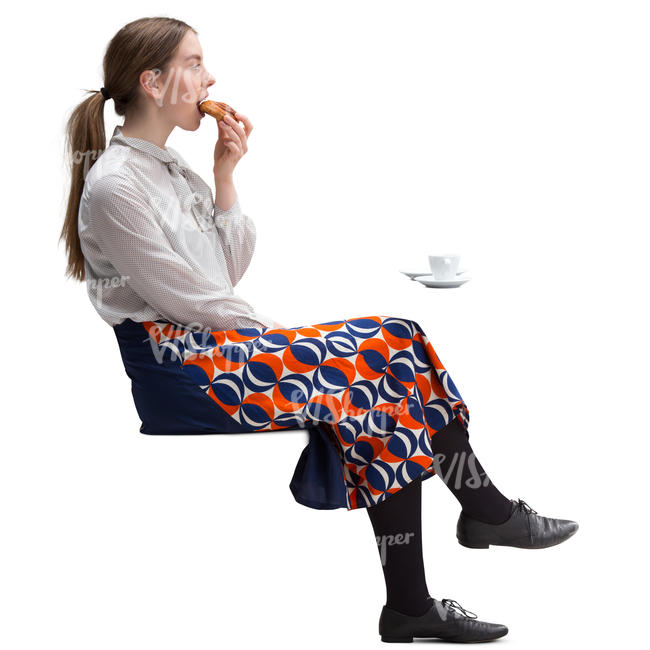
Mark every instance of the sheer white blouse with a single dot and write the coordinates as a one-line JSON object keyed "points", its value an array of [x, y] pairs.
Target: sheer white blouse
{"points": [[156, 245]]}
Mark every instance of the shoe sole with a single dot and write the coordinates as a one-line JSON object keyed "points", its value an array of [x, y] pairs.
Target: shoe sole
{"points": [[467, 545], [479, 545], [409, 639]]}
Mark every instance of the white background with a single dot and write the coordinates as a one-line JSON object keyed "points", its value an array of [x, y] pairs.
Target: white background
{"points": [[515, 133]]}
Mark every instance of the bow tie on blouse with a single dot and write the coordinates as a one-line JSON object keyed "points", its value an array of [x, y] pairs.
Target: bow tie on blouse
{"points": [[194, 195]]}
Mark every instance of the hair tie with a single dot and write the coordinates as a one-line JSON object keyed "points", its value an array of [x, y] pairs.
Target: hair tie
{"points": [[105, 93]]}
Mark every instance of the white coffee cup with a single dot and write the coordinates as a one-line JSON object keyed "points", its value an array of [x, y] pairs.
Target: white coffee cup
{"points": [[444, 267]]}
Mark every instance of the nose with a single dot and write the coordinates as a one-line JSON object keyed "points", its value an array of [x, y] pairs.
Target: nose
{"points": [[210, 80]]}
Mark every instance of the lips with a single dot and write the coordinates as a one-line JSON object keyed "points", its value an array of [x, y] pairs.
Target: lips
{"points": [[197, 105]]}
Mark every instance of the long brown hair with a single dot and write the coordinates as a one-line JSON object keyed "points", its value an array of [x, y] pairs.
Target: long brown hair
{"points": [[144, 44]]}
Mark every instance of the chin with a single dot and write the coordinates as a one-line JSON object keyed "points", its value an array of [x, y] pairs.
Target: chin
{"points": [[190, 125]]}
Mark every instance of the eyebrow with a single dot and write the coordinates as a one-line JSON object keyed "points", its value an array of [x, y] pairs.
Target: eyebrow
{"points": [[192, 56]]}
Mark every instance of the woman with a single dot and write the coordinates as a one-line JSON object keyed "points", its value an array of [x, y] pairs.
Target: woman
{"points": [[161, 257]]}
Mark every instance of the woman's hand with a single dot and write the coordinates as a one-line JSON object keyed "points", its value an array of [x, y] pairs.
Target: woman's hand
{"points": [[231, 145]]}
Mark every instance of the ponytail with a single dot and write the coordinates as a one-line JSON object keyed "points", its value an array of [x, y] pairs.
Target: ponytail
{"points": [[85, 140]]}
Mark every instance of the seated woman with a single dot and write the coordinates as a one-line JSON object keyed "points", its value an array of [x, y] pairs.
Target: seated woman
{"points": [[161, 256]]}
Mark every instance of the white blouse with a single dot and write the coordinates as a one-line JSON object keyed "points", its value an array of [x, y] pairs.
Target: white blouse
{"points": [[156, 245]]}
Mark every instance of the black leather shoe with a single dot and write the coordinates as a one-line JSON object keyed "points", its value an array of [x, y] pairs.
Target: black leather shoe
{"points": [[440, 621], [524, 529]]}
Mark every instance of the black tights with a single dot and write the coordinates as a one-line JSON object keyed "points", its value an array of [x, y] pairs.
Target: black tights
{"points": [[460, 470], [397, 521]]}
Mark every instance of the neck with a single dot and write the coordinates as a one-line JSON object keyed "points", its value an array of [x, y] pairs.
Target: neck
{"points": [[147, 127]]}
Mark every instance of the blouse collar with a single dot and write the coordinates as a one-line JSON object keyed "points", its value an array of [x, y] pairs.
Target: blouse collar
{"points": [[164, 155]]}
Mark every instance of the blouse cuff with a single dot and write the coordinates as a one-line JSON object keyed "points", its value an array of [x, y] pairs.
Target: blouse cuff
{"points": [[265, 320], [224, 218]]}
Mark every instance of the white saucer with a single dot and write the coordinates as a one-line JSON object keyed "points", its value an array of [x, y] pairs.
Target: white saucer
{"points": [[430, 281], [413, 275]]}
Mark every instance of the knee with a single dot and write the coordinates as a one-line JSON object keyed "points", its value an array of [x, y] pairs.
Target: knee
{"points": [[403, 319]]}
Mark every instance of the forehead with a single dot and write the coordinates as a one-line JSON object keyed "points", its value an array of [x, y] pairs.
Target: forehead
{"points": [[189, 45]]}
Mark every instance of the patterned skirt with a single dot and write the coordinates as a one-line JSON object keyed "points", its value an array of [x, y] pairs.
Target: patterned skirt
{"points": [[370, 391]]}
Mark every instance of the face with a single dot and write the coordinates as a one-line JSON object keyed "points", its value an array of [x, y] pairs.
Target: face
{"points": [[184, 84]]}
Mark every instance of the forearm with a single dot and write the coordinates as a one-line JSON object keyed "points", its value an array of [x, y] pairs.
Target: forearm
{"points": [[225, 193]]}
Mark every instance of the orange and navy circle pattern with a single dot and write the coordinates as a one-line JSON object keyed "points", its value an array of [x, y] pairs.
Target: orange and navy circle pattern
{"points": [[375, 380]]}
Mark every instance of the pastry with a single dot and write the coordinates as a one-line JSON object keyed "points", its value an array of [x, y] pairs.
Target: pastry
{"points": [[216, 109]]}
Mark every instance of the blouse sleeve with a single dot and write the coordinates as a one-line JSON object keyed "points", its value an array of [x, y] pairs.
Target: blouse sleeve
{"points": [[131, 238], [238, 235]]}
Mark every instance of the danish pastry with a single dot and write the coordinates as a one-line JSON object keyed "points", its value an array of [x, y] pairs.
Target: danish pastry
{"points": [[216, 109]]}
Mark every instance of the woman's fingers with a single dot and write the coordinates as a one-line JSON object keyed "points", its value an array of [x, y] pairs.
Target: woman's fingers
{"points": [[230, 134], [235, 126], [248, 125], [235, 138]]}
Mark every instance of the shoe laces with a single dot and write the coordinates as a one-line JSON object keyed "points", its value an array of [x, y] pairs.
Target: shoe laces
{"points": [[525, 508], [522, 505], [456, 606]]}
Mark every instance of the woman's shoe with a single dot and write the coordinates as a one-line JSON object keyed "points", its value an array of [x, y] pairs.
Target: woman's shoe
{"points": [[441, 621], [524, 529]]}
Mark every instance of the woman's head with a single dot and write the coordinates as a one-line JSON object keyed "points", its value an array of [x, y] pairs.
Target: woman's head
{"points": [[154, 70], [151, 73]]}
